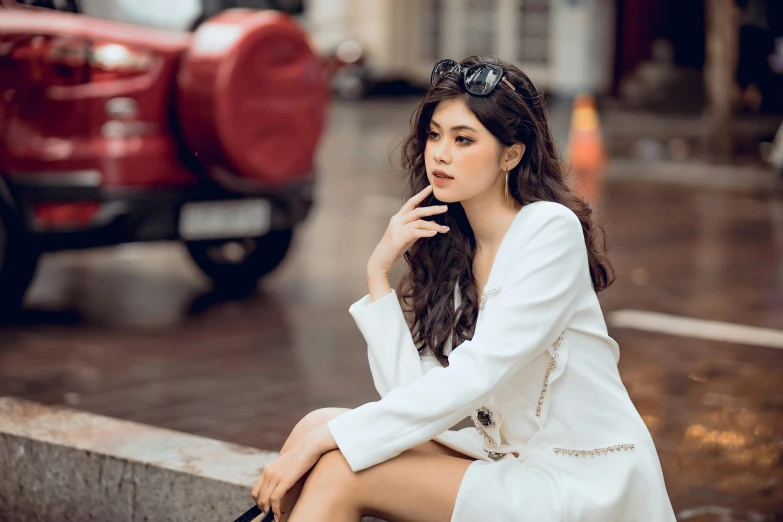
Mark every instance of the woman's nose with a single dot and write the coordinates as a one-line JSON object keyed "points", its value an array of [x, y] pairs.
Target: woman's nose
{"points": [[441, 154]]}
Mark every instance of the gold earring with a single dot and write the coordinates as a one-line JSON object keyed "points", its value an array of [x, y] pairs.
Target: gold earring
{"points": [[506, 191]]}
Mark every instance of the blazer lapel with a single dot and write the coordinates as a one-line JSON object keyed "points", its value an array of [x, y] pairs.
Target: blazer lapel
{"points": [[498, 270]]}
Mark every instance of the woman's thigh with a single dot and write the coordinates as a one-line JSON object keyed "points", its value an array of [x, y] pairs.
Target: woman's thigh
{"points": [[419, 484], [432, 446]]}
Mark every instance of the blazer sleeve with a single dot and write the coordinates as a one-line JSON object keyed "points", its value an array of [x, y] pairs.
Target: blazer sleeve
{"points": [[394, 359], [533, 308]]}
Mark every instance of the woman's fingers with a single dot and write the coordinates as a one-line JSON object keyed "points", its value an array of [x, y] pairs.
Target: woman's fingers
{"points": [[415, 200], [277, 496], [420, 233], [256, 491], [421, 212], [419, 229], [405, 227], [422, 224], [415, 234], [264, 498]]}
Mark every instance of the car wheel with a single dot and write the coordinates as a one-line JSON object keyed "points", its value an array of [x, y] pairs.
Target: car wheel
{"points": [[239, 264], [18, 261]]}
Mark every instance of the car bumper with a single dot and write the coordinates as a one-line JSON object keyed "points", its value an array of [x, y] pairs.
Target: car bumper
{"points": [[132, 215]]}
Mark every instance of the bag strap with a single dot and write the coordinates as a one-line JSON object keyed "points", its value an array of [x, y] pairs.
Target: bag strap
{"points": [[252, 513]]}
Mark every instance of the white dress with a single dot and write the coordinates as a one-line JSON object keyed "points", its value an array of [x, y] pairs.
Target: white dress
{"points": [[557, 437]]}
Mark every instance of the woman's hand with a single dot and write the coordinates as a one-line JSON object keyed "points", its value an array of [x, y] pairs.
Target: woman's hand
{"points": [[405, 228], [282, 474]]}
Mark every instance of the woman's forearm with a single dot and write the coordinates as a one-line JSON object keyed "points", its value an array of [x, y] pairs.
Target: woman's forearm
{"points": [[321, 440], [378, 284]]}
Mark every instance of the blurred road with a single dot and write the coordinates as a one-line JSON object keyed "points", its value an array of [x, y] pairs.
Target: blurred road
{"points": [[135, 332]]}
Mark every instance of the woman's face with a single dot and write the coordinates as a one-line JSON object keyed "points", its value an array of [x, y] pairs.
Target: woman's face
{"points": [[460, 147]]}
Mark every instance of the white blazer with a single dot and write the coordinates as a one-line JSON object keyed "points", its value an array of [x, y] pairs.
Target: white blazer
{"points": [[539, 379]]}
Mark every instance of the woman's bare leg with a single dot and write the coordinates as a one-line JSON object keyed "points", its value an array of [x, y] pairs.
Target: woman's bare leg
{"points": [[317, 419], [414, 486], [308, 423]]}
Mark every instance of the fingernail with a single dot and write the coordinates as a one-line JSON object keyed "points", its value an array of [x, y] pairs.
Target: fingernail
{"points": [[445, 229]]}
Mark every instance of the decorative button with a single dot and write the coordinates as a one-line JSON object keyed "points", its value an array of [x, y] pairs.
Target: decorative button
{"points": [[482, 418], [495, 456]]}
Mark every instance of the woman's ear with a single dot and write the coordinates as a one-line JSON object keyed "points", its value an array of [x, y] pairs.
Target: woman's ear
{"points": [[513, 155]]}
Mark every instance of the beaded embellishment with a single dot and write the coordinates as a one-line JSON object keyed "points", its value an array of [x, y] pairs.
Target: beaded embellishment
{"points": [[552, 364], [495, 456], [594, 452], [486, 295], [482, 418]]}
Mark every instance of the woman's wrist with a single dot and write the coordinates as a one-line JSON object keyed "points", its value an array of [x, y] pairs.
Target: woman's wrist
{"points": [[377, 283], [321, 440], [375, 269], [375, 275]]}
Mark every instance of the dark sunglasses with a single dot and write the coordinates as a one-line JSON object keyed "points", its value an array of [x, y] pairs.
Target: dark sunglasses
{"points": [[479, 80]]}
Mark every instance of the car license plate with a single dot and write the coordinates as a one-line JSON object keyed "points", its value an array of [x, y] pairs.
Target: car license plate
{"points": [[225, 219]]}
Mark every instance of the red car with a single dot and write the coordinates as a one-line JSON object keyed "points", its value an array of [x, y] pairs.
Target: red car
{"points": [[113, 133]]}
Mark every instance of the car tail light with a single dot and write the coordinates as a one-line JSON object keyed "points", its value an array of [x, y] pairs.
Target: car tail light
{"points": [[65, 215], [65, 60], [53, 60], [109, 61]]}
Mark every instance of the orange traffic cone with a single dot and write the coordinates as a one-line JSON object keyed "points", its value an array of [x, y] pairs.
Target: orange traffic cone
{"points": [[586, 150]]}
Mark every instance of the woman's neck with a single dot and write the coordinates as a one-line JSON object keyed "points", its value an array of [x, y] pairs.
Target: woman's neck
{"points": [[490, 221]]}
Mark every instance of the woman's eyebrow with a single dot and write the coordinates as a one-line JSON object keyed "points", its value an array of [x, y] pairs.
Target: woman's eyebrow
{"points": [[456, 127]]}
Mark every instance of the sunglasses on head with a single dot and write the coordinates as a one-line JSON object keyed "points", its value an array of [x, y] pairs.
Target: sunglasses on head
{"points": [[479, 80]]}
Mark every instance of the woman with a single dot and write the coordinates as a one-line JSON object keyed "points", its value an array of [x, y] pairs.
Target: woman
{"points": [[506, 271]]}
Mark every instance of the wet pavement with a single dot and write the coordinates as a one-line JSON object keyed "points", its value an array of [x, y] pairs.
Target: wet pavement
{"points": [[135, 331]]}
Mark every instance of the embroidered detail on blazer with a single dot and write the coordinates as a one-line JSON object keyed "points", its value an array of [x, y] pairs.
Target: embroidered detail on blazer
{"points": [[486, 295], [552, 364], [594, 452], [482, 418], [495, 456]]}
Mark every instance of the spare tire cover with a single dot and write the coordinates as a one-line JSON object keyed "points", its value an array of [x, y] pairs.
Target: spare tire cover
{"points": [[252, 98]]}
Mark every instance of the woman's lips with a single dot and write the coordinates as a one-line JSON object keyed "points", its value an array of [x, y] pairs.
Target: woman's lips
{"points": [[440, 178]]}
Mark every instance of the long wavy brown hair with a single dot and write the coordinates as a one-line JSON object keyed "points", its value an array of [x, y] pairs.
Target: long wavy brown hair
{"points": [[438, 264]]}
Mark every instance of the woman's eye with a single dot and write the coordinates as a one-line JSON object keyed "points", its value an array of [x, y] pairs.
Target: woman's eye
{"points": [[462, 140], [432, 135]]}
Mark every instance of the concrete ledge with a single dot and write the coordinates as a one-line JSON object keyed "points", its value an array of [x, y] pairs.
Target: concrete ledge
{"points": [[60, 465]]}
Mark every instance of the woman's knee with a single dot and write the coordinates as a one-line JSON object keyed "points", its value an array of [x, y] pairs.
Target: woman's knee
{"points": [[317, 418], [314, 419]]}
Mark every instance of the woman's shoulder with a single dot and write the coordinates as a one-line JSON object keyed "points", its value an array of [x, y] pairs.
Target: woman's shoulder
{"points": [[548, 215], [549, 225], [548, 210]]}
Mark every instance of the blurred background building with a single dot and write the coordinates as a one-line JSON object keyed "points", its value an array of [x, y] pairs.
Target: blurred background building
{"points": [[641, 55], [565, 47], [643, 50]]}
